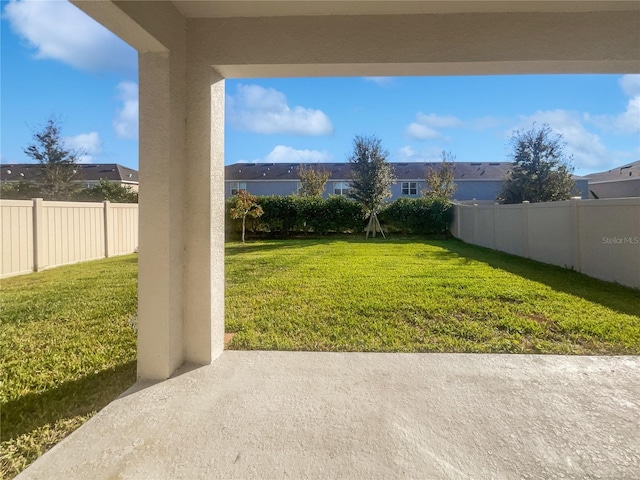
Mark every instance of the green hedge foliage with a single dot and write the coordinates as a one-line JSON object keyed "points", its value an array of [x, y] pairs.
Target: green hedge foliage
{"points": [[293, 215], [422, 216]]}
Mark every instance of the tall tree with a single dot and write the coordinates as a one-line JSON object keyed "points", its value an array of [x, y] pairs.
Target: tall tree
{"points": [[313, 181], [541, 170], [440, 181], [59, 172], [245, 205], [371, 177]]}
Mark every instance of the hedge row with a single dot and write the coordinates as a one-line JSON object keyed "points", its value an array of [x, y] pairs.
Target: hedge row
{"points": [[423, 216], [293, 214]]}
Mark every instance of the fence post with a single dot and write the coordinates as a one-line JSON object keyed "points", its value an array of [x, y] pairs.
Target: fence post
{"points": [[475, 223], [577, 261], [108, 224], [495, 226], [525, 205], [38, 234]]}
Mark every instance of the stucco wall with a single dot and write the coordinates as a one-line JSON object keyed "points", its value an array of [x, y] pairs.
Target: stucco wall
{"points": [[616, 189]]}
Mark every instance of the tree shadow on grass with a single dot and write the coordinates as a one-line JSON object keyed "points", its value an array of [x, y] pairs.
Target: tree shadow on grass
{"points": [[70, 399], [610, 295]]}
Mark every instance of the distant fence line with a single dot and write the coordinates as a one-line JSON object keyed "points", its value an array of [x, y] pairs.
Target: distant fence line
{"points": [[600, 238], [37, 235]]}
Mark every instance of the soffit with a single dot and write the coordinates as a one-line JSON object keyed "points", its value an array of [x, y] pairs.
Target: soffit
{"points": [[269, 8]]}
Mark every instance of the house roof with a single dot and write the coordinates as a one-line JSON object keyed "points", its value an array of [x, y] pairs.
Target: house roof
{"points": [[630, 170], [114, 172], [342, 170]]}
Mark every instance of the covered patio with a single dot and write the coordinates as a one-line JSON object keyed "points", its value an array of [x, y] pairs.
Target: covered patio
{"points": [[254, 401], [268, 415]]}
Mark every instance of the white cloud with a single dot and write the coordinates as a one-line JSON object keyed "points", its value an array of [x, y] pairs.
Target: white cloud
{"points": [[285, 154], [426, 126], [126, 121], [265, 110], [60, 31], [381, 81], [88, 145], [627, 122], [422, 132], [587, 149], [630, 84], [409, 154]]}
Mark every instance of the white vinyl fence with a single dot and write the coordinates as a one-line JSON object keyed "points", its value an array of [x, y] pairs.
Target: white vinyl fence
{"points": [[37, 235], [600, 238]]}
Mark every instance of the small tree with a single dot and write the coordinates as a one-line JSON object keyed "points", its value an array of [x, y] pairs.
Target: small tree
{"points": [[106, 190], [440, 182], [313, 181], [371, 177], [245, 204], [541, 171], [59, 172]]}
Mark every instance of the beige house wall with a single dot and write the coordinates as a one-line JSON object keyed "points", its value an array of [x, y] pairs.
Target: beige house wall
{"points": [[600, 238], [37, 235]]}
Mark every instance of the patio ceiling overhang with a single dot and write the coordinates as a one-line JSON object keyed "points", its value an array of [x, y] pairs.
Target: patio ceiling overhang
{"points": [[187, 49], [243, 39]]}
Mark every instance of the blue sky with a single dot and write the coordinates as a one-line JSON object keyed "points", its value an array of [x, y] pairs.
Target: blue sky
{"points": [[56, 61]]}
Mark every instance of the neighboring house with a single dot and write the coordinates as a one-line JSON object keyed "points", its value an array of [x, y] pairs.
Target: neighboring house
{"points": [[90, 173], [620, 182], [480, 181]]}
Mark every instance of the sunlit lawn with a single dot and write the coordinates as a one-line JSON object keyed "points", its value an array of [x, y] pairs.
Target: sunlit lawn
{"points": [[68, 348], [419, 296], [67, 351]]}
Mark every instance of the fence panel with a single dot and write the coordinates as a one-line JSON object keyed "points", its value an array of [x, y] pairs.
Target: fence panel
{"points": [[609, 232], [73, 232], [600, 238], [552, 233], [38, 235], [511, 229], [16, 218], [124, 218]]}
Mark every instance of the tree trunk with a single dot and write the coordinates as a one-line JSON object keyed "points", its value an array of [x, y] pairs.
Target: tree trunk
{"points": [[243, 222]]}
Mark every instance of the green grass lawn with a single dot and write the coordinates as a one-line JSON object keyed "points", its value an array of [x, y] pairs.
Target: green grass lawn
{"points": [[419, 296], [68, 349]]}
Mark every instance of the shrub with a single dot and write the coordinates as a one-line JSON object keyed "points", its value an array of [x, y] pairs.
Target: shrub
{"points": [[280, 214], [424, 216], [345, 215], [292, 214]]}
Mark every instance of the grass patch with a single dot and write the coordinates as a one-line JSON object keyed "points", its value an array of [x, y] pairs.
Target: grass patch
{"points": [[419, 296], [67, 351]]}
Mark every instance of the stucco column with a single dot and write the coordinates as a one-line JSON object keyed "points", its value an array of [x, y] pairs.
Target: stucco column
{"points": [[162, 213], [204, 220]]}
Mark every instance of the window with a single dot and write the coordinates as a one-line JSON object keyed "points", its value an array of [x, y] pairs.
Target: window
{"points": [[298, 188], [237, 186], [409, 188], [340, 188]]}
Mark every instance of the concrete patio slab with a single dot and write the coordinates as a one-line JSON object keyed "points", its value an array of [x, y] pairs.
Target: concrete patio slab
{"points": [[367, 415]]}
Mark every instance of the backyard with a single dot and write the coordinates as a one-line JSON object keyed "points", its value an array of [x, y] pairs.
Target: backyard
{"points": [[68, 341]]}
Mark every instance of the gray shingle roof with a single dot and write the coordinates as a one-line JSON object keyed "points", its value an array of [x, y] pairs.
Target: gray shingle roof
{"points": [[342, 171], [630, 170], [114, 172]]}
